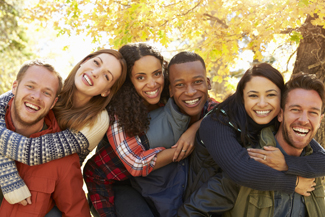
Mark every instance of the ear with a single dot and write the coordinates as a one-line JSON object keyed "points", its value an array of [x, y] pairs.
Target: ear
{"points": [[170, 91], [209, 83], [104, 94], [14, 87], [280, 116], [54, 102]]}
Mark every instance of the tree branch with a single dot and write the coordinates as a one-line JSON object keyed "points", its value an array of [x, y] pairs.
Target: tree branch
{"points": [[216, 19]]}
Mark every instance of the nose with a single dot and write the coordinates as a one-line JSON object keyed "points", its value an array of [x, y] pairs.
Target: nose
{"points": [[36, 95], [190, 90], [262, 102], [95, 73], [303, 119], [152, 82]]}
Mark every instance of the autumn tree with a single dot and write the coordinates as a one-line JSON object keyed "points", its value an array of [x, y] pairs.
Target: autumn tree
{"points": [[13, 43], [219, 30]]}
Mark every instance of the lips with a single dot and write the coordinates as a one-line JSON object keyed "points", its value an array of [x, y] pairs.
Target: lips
{"points": [[300, 131], [87, 79], [262, 112], [32, 106], [152, 94], [193, 102]]}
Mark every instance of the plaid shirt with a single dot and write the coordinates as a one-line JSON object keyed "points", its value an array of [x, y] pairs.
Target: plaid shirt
{"points": [[119, 158]]}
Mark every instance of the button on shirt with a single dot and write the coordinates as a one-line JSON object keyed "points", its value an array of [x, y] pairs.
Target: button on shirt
{"points": [[289, 205]]}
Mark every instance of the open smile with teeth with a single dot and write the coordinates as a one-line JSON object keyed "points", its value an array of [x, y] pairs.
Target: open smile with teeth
{"points": [[192, 102], [31, 106], [152, 93], [265, 112], [88, 79], [300, 131]]}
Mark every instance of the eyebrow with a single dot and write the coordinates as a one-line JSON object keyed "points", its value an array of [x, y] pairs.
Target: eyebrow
{"points": [[142, 73], [195, 77], [254, 91], [107, 69]]}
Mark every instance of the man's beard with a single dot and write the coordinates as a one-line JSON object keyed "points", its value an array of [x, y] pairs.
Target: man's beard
{"points": [[285, 134], [21, 121]]}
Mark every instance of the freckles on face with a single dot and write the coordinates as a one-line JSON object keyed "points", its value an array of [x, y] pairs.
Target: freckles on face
{"points": [[148, 79], [261, 99]]}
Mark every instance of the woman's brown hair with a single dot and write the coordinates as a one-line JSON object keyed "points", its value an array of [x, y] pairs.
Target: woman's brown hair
{"points": [[75, 118]]}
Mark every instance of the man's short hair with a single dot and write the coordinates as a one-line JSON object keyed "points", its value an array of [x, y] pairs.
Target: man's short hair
{"points": [[39, 62], [185, 57], [304, 81]]}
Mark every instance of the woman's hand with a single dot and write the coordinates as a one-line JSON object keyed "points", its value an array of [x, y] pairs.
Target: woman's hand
{"points": [[305, 185], [26, 201], [184, 145], [270, 156]]}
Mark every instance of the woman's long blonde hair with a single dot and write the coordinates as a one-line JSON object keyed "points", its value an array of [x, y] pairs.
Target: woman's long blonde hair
{"points": [[75, 118]]}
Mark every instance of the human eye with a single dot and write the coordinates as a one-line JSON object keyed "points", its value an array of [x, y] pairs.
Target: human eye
{"points": [[140, 78], [96, 62], [47, 93], [179, 85], [106, 76], [157, 74], [29, 86], [198, 82], [252, 96]]}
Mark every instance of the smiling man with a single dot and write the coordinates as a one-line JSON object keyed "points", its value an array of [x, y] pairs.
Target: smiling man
{"points": [[29, 113], [163, 188]]}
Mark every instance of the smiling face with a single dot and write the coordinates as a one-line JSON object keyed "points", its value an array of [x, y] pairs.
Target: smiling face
{"points": [[261, 99], [148, 79], [96, 76], [300, 120], [189, 87], [35, 95]]}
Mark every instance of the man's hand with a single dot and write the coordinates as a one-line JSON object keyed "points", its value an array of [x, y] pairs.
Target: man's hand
{"points": [[28, 200], [270, 156], [305, 185]]}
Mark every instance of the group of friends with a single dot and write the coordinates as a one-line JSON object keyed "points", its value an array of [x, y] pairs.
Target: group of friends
{"points": [[164, 148]]}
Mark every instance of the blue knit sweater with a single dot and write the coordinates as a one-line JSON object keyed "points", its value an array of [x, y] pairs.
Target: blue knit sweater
{"points": [[31, 151]]}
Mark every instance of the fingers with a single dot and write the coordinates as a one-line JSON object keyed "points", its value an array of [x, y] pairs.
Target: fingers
{"points": [[177, 152], [270, 148], [29, 200], [256, 151], [184, 151], [23, 202]]}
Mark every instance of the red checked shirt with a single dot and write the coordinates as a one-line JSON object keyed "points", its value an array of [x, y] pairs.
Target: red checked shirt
{"points": [[120, 158]]}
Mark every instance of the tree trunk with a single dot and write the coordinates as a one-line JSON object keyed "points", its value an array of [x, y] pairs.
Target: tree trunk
{"points": [[311, 59]]}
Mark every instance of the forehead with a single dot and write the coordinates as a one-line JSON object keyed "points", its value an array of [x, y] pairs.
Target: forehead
{"points": [[186, 71], [42, 77], [146, 64], [109, 61], [260, 84], [304, 98]]}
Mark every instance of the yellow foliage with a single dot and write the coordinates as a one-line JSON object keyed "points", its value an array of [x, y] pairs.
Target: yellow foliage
{"points": [[213, 28]]}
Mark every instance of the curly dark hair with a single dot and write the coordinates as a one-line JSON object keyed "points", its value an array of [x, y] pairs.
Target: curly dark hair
{"points": [[127, 105], [234, 106]]}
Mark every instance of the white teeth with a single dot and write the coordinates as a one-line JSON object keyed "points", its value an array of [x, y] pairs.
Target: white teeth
{"points": [[300, 130], [192, 101], [263, 112], [88, 80], [152, 92], [32, 106]]}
